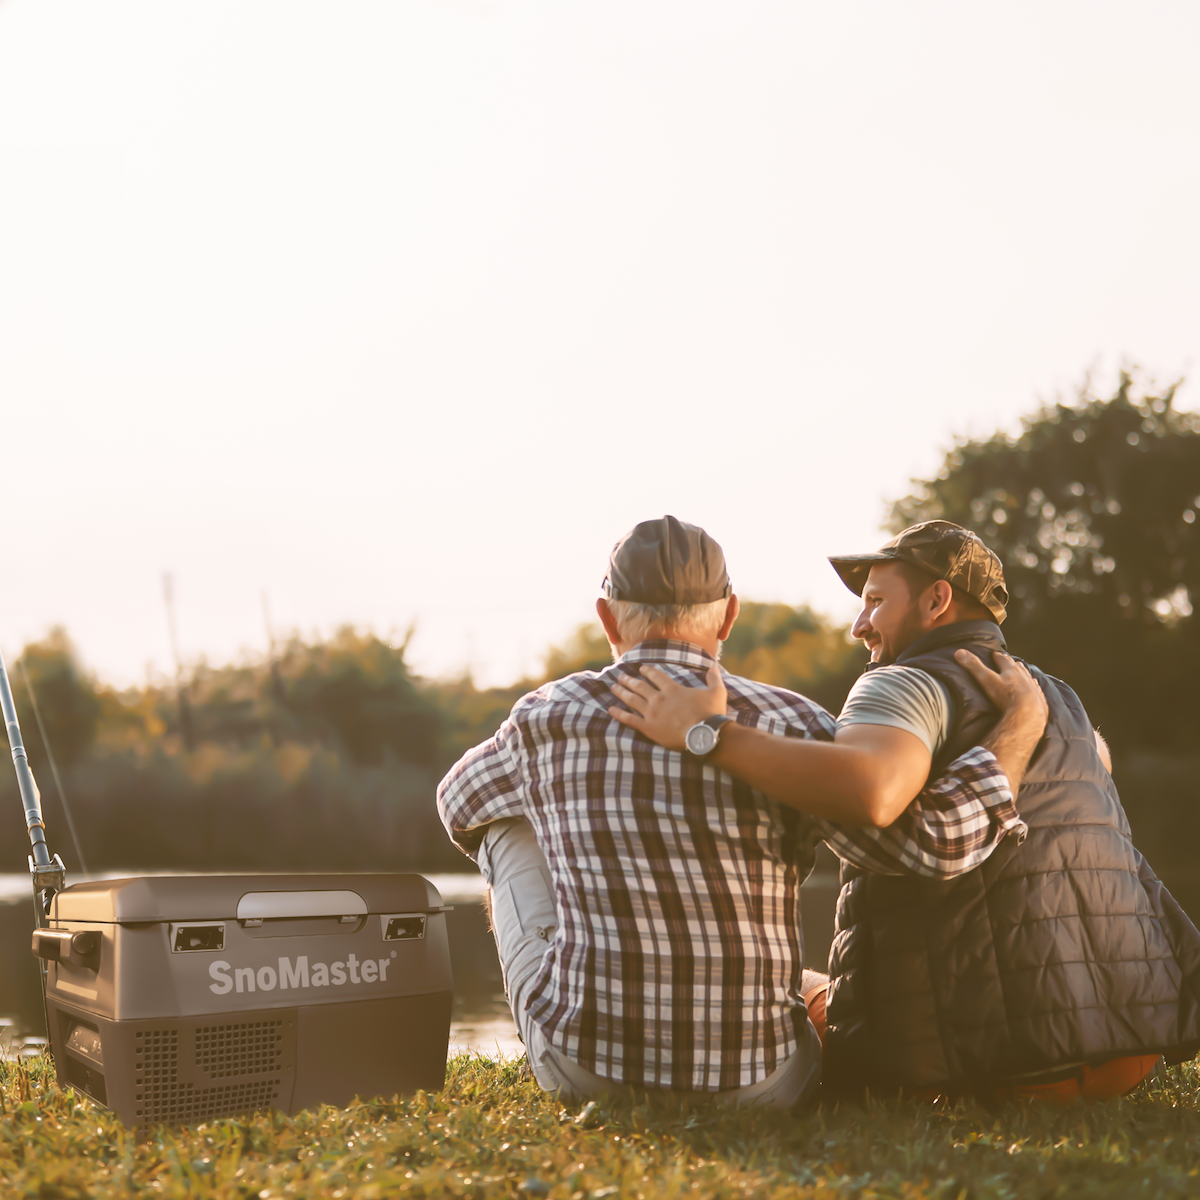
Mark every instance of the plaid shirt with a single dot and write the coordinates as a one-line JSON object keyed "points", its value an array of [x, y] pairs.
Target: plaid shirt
{"points": [[676, 961]]}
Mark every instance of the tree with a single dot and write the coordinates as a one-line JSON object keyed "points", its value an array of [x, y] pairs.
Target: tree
{"points": [[1097, 499], [67, 699], [794, 648], [359, 689], [1092, 507], [587, 649]]}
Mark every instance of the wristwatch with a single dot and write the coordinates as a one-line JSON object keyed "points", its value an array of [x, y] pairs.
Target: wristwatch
{"points": [[701, 739]]}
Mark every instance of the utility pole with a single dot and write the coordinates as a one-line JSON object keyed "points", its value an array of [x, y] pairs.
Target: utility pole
{"points": [[266, 607], [185, 709], [272, 665]]}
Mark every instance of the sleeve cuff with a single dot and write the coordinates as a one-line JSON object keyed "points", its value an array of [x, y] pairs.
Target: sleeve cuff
{"points": [[981, 770]]}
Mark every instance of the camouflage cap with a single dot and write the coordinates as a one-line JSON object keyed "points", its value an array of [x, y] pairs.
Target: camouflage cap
{"points": [[667, 561], [943, 550]]}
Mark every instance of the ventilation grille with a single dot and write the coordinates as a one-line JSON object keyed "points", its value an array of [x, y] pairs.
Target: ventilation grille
{"points": [[183, 1104], [253, 1048], [157, 1057], [163, 1099]]}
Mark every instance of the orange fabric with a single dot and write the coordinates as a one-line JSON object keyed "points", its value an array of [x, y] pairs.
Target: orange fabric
{"points": [[814, 1001], [1108, 1080], [1117, 1077]]}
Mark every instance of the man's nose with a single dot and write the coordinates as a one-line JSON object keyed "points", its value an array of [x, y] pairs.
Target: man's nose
{"points": [[861, 626]]}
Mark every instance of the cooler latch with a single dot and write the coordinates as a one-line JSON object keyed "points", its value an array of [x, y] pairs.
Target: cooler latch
{"points": [[402, 927], [193, 936]]}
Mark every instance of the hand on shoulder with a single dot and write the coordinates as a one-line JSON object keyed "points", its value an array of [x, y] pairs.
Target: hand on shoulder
{"points": [[663, 709]]}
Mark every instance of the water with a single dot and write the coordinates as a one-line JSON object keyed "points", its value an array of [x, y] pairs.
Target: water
{"points": [[481, 1021]]}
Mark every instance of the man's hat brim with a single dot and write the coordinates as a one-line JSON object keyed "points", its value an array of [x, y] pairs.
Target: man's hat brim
{"points": [[853, 569]]}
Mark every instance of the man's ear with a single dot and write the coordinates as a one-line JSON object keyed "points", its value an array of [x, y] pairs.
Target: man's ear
{"points": [[939, 598], [605, 613], [731, 614]]}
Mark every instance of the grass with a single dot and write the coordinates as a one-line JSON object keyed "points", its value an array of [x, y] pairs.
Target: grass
{"points": [[491, 1134]]}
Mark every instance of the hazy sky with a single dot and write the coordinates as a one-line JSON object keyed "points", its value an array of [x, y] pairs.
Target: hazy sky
{"points": [[406, 311]]}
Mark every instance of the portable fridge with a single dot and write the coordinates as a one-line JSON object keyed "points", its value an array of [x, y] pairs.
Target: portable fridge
{"points": [[178, 999]]}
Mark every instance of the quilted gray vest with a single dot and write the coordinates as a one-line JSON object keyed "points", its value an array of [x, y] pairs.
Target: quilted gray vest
{"points": [[1060, 950]]}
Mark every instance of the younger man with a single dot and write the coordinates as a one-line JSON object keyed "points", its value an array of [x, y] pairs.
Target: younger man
{"points": [[1060, 966]]}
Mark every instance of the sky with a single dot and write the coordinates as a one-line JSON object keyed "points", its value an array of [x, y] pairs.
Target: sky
{"points": [[401, 314]]}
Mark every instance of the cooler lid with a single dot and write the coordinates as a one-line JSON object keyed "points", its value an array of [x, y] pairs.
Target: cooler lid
{"points": [[228, 897]]}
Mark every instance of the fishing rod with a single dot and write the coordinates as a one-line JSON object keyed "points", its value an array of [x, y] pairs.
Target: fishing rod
{"points": [[47, 872], [58, 783]]}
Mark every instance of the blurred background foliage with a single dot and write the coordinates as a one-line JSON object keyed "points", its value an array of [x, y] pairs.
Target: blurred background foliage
{"points": [[326, 755], [1093, 507]]}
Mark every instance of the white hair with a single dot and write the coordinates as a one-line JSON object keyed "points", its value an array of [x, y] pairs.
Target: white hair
{"points": [[640, 622]]}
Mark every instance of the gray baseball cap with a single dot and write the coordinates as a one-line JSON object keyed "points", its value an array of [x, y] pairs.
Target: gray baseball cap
{"points": [[667, 561], [943, 550]]}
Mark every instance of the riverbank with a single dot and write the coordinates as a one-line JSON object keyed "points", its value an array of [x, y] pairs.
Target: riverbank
{"points": [[491, 1134]]}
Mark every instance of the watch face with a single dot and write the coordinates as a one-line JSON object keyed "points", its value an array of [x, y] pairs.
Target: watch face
{"points": [[700, 739]]}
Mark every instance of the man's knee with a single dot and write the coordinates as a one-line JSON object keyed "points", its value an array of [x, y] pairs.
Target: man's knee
{"points": [[504, 842], [520, 899], [518, 878]]}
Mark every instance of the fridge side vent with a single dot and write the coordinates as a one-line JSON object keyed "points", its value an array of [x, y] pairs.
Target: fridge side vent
{"points": [[182, 1104], [251, 1048]]}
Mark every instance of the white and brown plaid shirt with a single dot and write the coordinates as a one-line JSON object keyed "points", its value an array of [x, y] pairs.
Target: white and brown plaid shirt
{"points": [[676, 961]]}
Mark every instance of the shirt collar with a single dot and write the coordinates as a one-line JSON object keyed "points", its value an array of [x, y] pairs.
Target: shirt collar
{"points": [[667, 650]]}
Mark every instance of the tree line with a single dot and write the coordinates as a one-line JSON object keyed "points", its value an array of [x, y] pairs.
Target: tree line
{"points": [[326, 755]]}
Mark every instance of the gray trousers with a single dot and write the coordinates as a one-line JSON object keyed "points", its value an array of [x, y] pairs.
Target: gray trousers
{"points": [[523, 922]]}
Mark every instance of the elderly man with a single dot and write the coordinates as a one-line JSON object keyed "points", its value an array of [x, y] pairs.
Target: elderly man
{"points": [[645, 904], [1060, 967]]}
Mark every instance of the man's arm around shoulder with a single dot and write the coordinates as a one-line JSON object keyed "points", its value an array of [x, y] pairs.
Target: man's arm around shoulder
{"points": [[868, 775]]}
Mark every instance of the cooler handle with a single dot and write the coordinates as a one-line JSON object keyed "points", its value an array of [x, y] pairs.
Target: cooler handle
{"points": [[63, 946], [266, 906]]}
